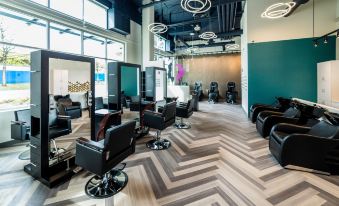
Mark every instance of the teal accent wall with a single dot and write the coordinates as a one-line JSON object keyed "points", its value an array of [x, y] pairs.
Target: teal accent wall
{"points": [[129, 80], [285, 68]]}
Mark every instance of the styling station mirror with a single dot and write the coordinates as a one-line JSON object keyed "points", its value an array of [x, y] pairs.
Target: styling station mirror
{"points": [[156, 85], [124, 90], [62, 93]]}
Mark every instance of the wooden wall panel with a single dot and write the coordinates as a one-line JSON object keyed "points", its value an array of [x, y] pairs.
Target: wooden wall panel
{"points": [[219, 68]]}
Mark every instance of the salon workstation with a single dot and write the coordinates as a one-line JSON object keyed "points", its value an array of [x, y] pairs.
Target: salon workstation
{"points": [[169, 102]]}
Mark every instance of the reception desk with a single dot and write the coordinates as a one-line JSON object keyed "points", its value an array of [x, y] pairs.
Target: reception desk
{"points": [[182, 92]]}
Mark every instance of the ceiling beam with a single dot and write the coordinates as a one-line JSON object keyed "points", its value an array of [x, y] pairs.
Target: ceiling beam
{"points": [[194, 21], [207, 45], [219, 2], [220, 35], [152, 4]]}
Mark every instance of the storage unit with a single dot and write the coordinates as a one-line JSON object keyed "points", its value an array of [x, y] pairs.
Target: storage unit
{"points": [[328, 84]]}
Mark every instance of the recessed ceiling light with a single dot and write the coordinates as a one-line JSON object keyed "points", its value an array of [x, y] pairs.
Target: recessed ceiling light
{"points": [[278, 10], [192, 34]]}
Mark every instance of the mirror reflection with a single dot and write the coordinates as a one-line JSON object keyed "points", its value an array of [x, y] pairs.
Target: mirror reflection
{"points": [[69, 107]]}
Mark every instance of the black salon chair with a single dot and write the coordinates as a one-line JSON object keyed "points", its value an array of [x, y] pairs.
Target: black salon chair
{"points": [[231, 94], [315, 148], [171, 99], [67, 107], [160, 121], [99, 103], [20, 128], [280, 105], [184, 110], [101, 157], [197, 90], [58, 126], [299, 114], [213, 92], [133, 103]]}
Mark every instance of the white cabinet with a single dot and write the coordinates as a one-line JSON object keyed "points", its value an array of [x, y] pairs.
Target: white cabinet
{"points": [[60, 82], [328, 83]]}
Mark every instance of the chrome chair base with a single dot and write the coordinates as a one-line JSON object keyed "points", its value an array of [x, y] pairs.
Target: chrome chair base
{"points": [[112, 183], [158, 144]]}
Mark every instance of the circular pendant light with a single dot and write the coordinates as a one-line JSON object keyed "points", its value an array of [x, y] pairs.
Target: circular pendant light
{"points": [[232, 46], [278, 10], [157, 28], [196, 6], [208, 35]]}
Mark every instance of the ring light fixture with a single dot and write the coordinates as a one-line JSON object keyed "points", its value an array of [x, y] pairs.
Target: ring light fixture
{"points": [[157, 28], [232, 46], [196, 6], [208, 35], [278, 10]]}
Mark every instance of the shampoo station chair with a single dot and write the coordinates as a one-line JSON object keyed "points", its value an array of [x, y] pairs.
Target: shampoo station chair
{"points": [[101, 157], [231, 94], [299, 114], [20, 128], [213, 92], [160, 121], [67, 107], [184, 110], [197, 90], [314, 148], [281, 105]]}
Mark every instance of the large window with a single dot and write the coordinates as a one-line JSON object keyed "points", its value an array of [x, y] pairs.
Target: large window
{"points": [[65, 39], [115, 50], [14, 77], [95, 14], [69, 7], [42, 2], [94, 46], [20, 33], [21, 29]]}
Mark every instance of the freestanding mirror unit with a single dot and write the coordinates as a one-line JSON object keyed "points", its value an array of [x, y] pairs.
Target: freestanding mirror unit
{"points": [[156, 84], [62, 93], [124, 91]]}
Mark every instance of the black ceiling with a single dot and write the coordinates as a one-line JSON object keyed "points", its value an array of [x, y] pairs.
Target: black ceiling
{"points": [[223, 18]]}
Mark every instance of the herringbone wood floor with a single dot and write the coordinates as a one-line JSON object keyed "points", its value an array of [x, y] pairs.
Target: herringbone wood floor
{"points": [[221, 160]]}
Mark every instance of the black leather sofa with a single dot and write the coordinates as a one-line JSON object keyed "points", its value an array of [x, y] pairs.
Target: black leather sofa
{"points": [[101, 157], [67, 107], [299, 114], [160, 121], [231, 94], [184, 110], [281, 105], [315, 148], [20, 128], [213, 92]]}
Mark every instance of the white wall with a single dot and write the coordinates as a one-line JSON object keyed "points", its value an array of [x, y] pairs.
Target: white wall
{"points": [[298, 25], [244, 63], [133, 46]]}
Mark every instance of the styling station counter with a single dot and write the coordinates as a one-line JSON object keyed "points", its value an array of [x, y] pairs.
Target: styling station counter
{"points": [[182, 92]]}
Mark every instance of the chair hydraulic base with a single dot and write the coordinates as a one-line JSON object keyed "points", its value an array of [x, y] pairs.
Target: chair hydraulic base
{"points": [[112, 183], [158, 144], [182, 124]]}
